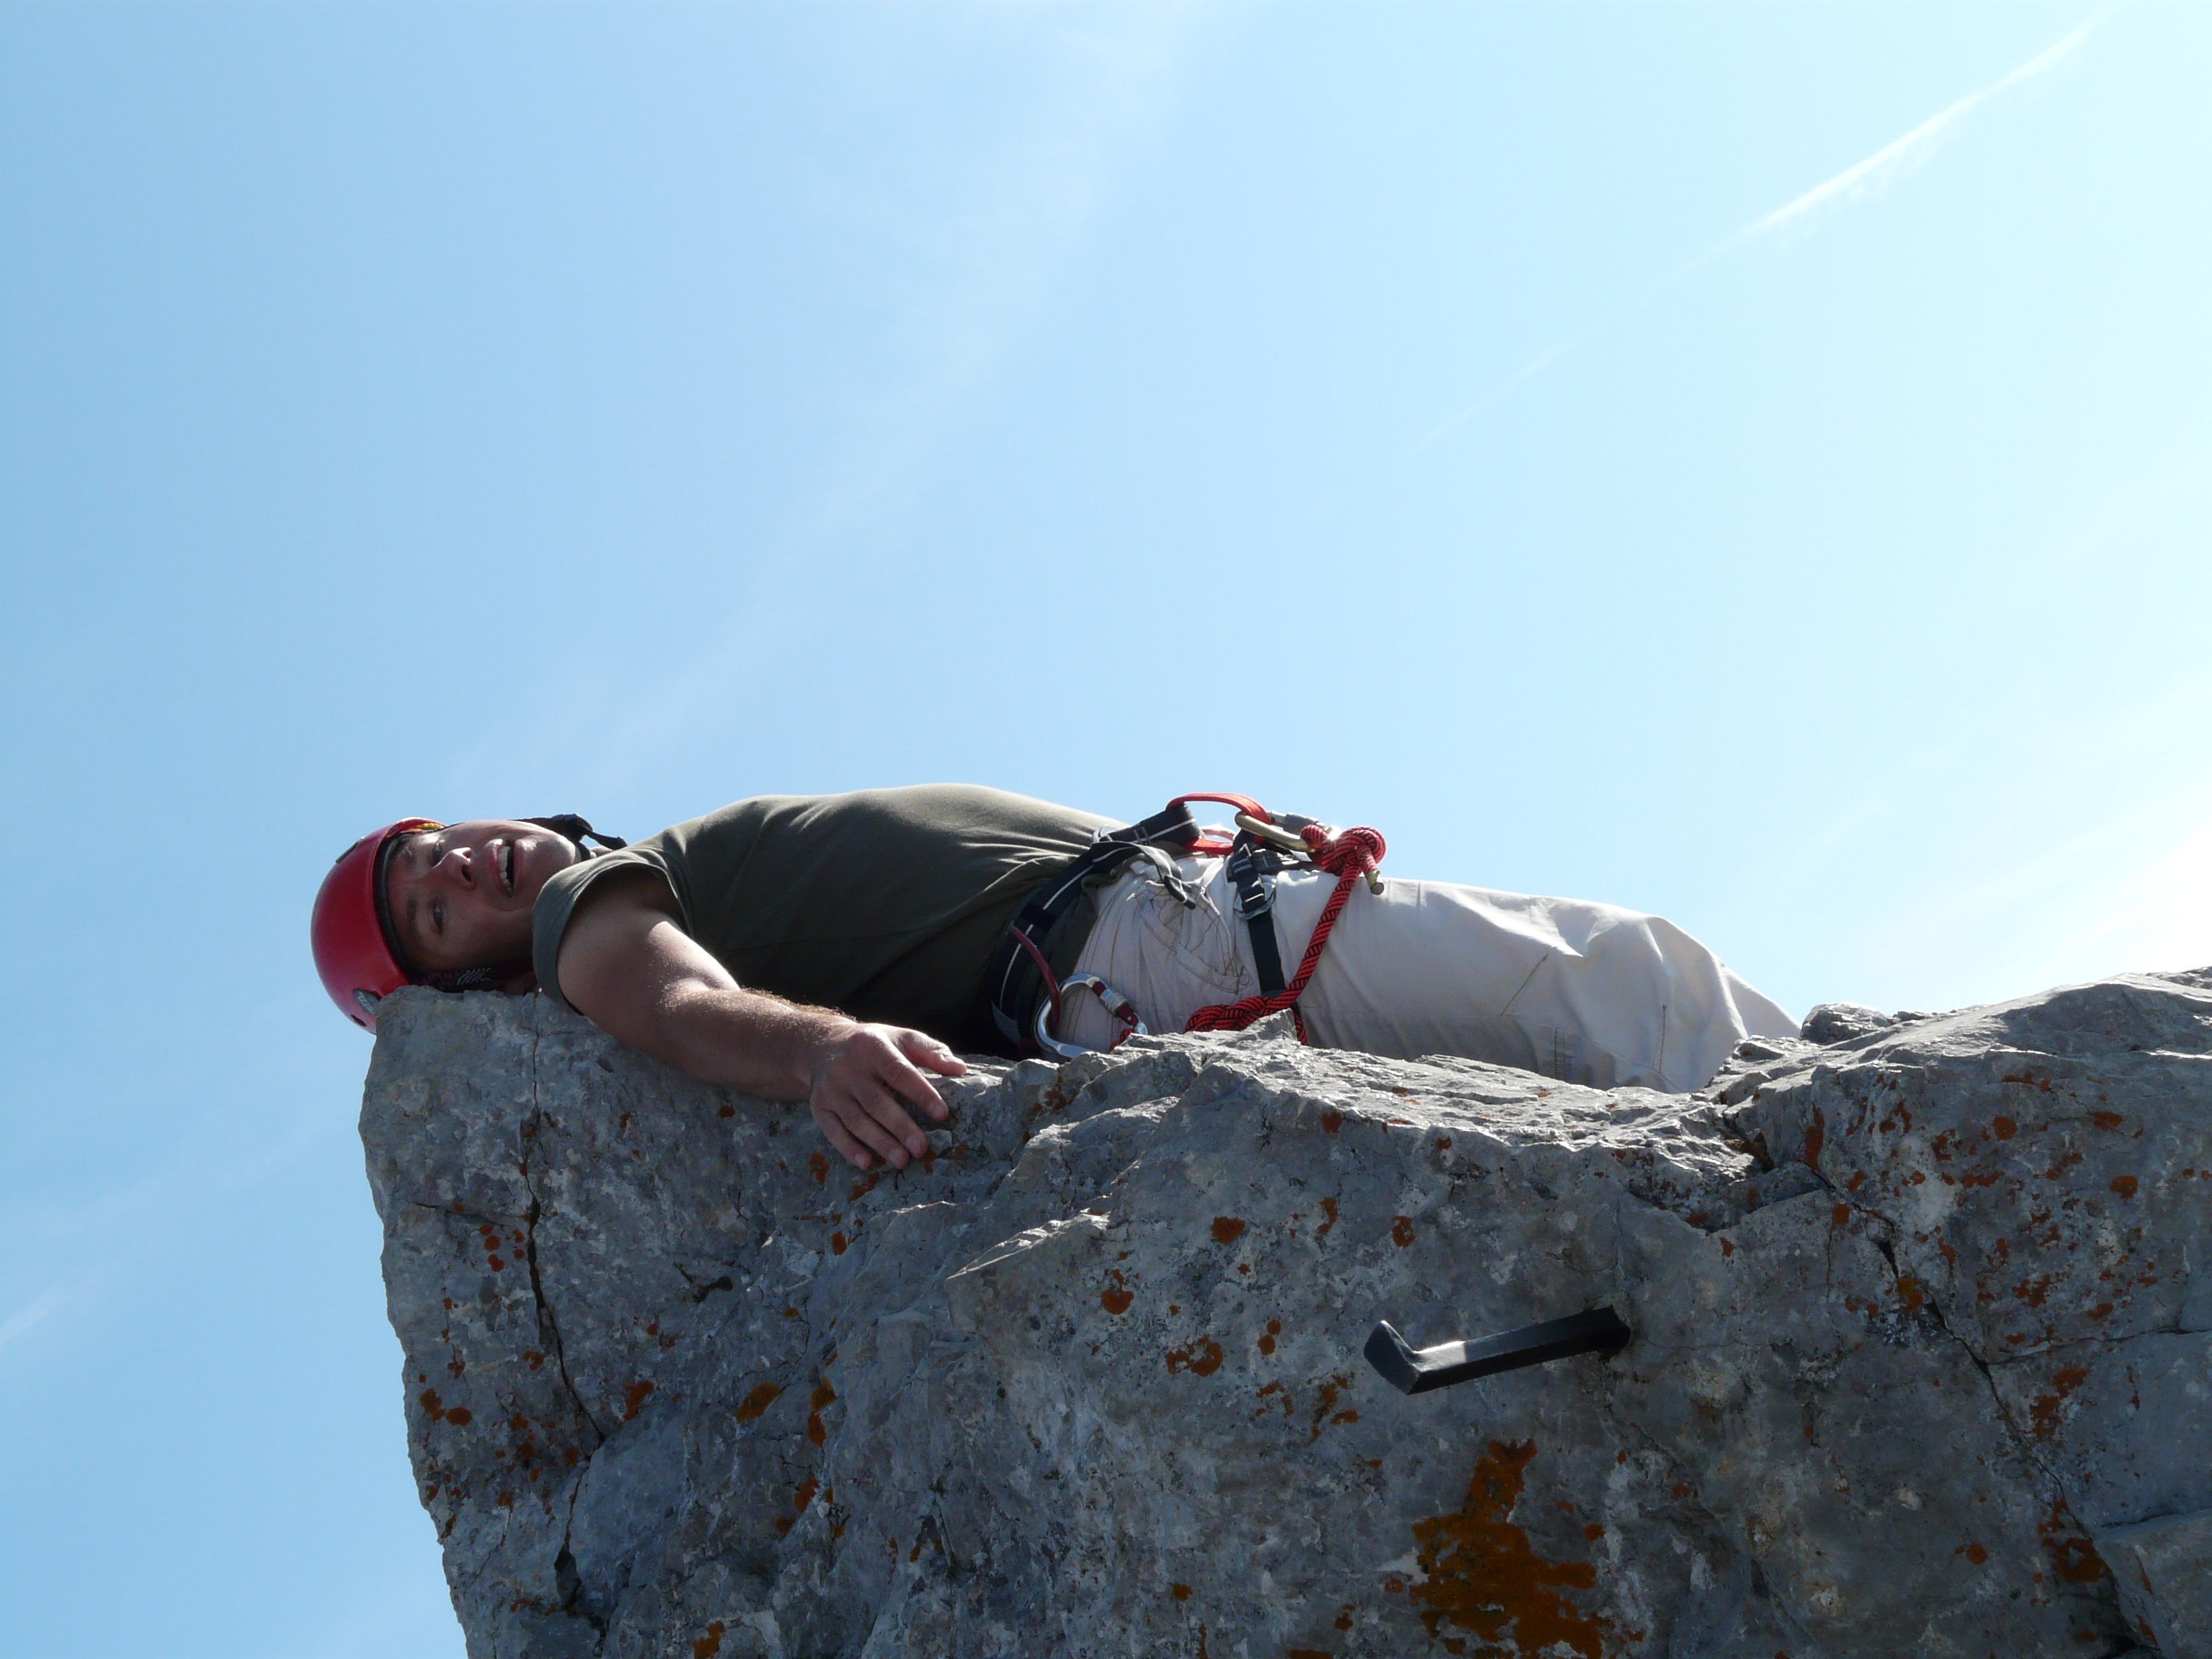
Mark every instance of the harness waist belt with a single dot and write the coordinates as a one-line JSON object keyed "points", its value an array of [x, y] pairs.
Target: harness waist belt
{"points": [[1013, 983]]}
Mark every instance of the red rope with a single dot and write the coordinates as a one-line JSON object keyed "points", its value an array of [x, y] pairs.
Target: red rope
{"points": [[1044, 970], [1348, 857]]}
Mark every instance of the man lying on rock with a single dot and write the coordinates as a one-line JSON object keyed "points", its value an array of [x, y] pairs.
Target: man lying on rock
{"points": [[837, 948]]}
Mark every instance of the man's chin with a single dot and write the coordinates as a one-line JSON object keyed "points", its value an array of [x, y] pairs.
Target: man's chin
{"points": [[537, 861]]}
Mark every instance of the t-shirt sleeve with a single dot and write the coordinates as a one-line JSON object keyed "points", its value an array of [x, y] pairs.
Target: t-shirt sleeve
{"points": [[558, 900]]}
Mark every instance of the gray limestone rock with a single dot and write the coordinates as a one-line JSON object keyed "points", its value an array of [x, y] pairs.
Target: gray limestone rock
{"points": [[1921, 1345], [1832, 1022], [2164, 1567]]}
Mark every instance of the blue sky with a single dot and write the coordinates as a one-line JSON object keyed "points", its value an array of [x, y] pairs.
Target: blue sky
{"points": [[1750, 463]]}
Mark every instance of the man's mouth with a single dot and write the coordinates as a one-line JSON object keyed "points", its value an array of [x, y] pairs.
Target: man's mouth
{"points": [[506, 868]]}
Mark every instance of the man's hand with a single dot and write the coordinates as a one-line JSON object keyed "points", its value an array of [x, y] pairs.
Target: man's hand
{"points": [[865, 1078]]}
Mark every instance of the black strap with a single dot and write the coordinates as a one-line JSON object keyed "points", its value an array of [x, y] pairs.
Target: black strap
{"points": [[1251, 873], [576, 828]]}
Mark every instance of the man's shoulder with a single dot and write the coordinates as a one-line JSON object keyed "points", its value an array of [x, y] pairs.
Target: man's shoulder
{"points": [[589, 895], [950, 807]]}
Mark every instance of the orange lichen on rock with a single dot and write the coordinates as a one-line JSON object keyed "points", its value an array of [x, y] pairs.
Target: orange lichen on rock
{"points": [[438, 1412], [2043, 1411], [758, 1401], [1331, 1389], [1483, 1575], [1227, 1229], [1201, 1358], [2073, 1557]]}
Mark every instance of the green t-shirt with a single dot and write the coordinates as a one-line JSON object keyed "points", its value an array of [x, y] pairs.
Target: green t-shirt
{"points": [[885, 903]]}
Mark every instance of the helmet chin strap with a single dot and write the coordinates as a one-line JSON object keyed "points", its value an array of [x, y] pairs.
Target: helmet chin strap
{"points": [[578, 828], [569, 826]]}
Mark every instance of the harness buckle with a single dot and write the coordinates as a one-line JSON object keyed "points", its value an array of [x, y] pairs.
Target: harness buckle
{"points": [[1164, 870], [1252, 892]]}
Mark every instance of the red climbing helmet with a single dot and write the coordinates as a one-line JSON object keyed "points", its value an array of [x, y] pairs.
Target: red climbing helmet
{"points": [[353, 951]]}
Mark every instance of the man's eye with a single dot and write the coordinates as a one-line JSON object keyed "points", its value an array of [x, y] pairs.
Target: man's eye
{"points": [[438, 914]]}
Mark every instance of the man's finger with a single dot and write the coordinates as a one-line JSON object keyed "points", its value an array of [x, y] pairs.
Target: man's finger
{"points": [[888, 1110], [843, 1145], [834, 1104], [926, 1050], [865, 1121], [917, 1090]]}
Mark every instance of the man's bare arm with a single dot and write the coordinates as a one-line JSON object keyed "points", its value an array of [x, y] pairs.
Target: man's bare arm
{"points": [[627, 965]]}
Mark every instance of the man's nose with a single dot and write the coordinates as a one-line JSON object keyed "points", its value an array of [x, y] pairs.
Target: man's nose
{"points": [[454, 866]]}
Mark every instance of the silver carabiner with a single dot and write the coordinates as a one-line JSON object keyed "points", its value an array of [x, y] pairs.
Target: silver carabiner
{"points": [[1116, 1005], [1282, 838]]}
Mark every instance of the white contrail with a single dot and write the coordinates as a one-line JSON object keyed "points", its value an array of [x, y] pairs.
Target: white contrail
{"points": [[1860, 182], [29, 1316], [1879, 171]]}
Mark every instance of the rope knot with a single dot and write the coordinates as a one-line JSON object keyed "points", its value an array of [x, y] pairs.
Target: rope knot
{"points": [[1353, 852]]}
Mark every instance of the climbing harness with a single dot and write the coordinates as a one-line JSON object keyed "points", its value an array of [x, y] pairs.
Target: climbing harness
{"points": [[1022, 976]]}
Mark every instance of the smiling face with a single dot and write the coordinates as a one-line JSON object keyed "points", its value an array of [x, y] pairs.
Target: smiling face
{"points": [[459, 897]]}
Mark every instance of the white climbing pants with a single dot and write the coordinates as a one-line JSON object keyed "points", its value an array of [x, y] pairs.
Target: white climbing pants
{"points": [[1584, 993]]}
